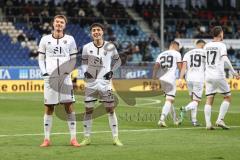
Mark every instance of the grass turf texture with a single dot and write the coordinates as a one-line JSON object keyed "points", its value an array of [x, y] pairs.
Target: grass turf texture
{"points": [[22, 114]]}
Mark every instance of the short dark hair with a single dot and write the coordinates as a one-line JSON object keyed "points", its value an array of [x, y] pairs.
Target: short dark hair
{"points": [[97, 25], [216, 31], [200, 41], [174, 43], [61, 16]]}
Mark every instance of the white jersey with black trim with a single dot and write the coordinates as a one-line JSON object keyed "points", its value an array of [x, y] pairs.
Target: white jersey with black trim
{"points": [[195, 59], [57, 51], [168, 65], [214, 62], [99, 59]]}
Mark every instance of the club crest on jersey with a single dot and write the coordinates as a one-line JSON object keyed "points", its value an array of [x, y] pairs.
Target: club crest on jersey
{"points": [[49, 43], [91, 52], [65, 41]]}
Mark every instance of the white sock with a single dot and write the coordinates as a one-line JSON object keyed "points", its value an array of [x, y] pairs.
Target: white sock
{"points": [[71, 119], [191, 106], [207, 113], [47, 122], [87, 125], [173, 113], [113, 123], [165, 110], [193, 109], [194, 114], [223, 110]]}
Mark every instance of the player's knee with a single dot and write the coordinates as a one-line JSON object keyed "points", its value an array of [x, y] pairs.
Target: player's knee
{"points": [[168, 102], [68, 108], [196, 101], [170, 98], [227, 98], [49, 109], [89, 110], [109, 105], [210, 99], [171, 101], [110, 110], [89, 105]]}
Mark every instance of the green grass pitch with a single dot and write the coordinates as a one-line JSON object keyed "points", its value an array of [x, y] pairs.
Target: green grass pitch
{"points": [[21, 132]]}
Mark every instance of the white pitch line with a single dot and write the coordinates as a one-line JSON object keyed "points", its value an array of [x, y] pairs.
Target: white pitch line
{"points": [[98, 132], [144, 105], [37, 99]]}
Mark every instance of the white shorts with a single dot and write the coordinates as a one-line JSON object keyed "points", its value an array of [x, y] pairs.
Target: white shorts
{"points": [[169, 89], [214, 86], [101, 89], [58, 90], [195, 90]]}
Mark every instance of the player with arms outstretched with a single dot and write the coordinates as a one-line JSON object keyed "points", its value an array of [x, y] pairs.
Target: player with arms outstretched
{"points": [[167, 63], [193, 66], [216, 57], [102, 59], [55, 50]]}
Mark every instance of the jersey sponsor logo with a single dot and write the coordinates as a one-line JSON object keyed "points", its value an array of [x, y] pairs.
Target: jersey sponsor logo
{"points": [[57, 50]]}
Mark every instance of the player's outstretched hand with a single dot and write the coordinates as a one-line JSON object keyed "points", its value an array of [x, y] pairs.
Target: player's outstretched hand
{"points": [[108, 75]]}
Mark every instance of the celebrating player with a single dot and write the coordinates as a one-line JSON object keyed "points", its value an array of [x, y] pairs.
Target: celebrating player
{"points": [[167, 63], [99, 55], [193, 66], [54, 50], [216, 57]]}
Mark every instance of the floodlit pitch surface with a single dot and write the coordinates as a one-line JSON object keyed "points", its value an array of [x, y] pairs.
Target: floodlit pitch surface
{"points": [[21, 132]]}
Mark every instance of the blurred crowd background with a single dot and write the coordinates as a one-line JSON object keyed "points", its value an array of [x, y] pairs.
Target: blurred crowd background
{"points": [[133, 25]]}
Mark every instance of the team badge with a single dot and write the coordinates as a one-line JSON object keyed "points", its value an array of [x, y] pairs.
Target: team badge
{"points": [[65, 41], [91, 51], [49, 43]]}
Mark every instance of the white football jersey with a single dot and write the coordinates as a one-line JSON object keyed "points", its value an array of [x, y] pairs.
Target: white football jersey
{"points": [[57, 51], [195, 65], [214, 61], [99, 59], [168, 65]]}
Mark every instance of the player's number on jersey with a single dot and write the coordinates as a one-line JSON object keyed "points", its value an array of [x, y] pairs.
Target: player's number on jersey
{"points": [[166, 61], [211, 57], [195, 60]]}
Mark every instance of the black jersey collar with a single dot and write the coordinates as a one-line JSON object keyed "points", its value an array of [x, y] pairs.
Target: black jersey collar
{"points": [[59, 37], [100, 46]]}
